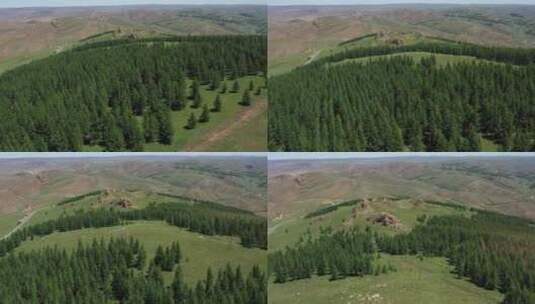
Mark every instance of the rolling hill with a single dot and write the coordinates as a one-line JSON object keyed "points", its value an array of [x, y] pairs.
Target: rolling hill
{"points": [[155, 227], [29, 33], [299, 33], [36, 186], [349, 214]]}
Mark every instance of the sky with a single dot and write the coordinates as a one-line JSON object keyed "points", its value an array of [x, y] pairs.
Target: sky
{"points": [[325, 155], [350, 2], [54, 3], [33, 3]]}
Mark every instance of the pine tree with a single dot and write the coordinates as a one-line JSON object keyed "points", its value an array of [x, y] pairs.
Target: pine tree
{"points": [[224, 88], [205, 115], [197, 101], [236, 87], [217, 104], [192, 122], [178, 288], [246, 99], [166, 130]]}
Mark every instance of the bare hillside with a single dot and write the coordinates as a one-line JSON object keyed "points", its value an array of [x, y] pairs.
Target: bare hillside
{"points": [[505, 185]]}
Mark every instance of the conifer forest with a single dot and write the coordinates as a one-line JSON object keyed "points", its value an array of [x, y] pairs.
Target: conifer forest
{"points": [[118, 94], [405, 104]]}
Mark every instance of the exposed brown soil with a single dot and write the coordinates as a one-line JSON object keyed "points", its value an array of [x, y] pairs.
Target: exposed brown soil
{"points": [[245, 116], [385, 219]]}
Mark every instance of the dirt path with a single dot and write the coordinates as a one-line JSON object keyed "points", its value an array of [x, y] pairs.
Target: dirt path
{"points": [[243, 118], [313, 57], [21, 223]]}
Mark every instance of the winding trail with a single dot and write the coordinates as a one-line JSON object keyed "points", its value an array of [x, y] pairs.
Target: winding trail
{"points": [[20, 223], [249, 114]]}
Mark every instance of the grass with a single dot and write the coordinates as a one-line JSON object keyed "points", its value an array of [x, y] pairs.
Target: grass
{"points": [[139, 200], [288, 232], [8, 222], [231, 109], [489, 146], [13, 62], [199, 251], [240, 139], [415, 281]]}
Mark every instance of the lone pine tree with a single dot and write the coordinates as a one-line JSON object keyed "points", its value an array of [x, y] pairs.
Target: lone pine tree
{"points": [[192, 122], [246, 98], [236, 86], [217, 104], [205, 115]]}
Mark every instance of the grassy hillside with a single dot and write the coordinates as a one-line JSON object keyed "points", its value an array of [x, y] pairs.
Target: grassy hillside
{"points": [[230, 122], [429, 280], [416, 281], [199, 251], [287, 232], [146, 243]]}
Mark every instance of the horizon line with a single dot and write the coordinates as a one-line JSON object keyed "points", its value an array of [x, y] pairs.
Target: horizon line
{"points": [[271, 5], [282, 156], [81, 155]]}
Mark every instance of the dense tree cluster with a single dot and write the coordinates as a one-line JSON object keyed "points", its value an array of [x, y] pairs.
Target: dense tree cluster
{"points": [[167, 258], [97, 93], [79, 197], [113, 273], [340, 254], [251, 229], [332, 208], [516, 56], [392, 104]]}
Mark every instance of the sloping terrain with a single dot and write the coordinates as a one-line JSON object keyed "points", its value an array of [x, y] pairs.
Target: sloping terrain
{"points": [[298, 34], [133, 231], [342, 200], [200, 252], [505, 185], [27, 33], [35, 186]]}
